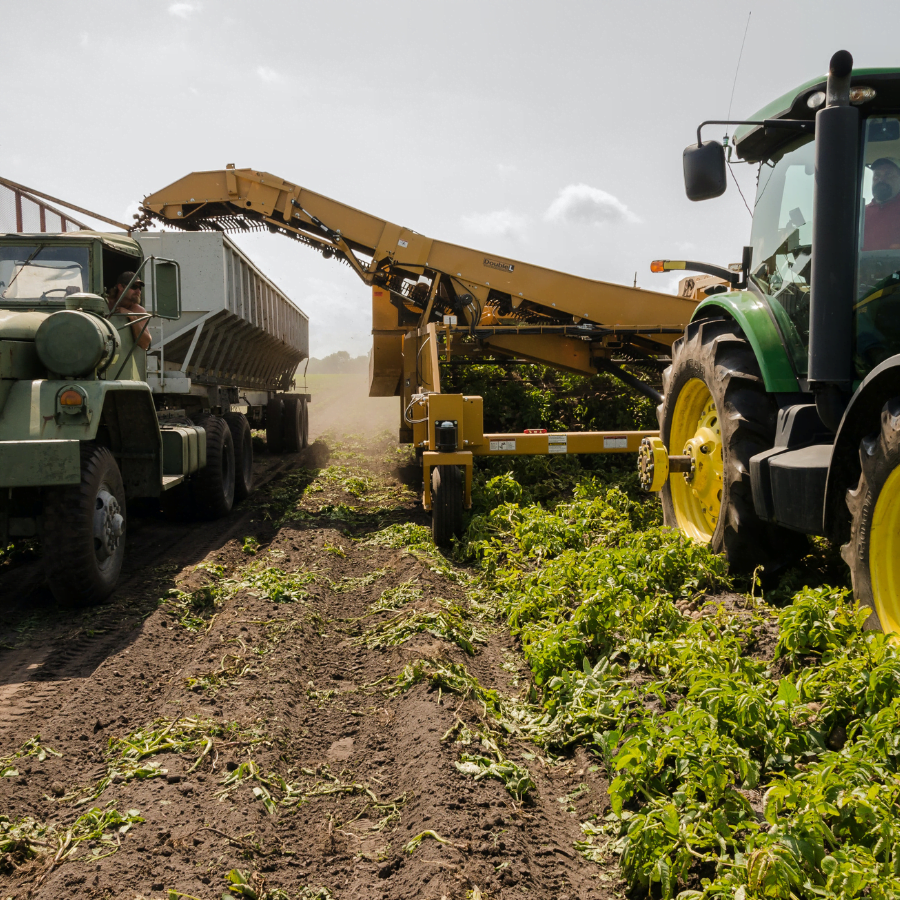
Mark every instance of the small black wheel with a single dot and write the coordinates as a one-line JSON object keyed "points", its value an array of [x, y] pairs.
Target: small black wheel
{"points": [[873, 552], [304, 423], [84, 531], [292, 423], [274, 429], [447, 489], [243, 454], [213, 486]]}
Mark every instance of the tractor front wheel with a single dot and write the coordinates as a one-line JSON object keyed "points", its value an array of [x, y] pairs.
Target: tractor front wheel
{"points": [[716, 411], [873, 553]]}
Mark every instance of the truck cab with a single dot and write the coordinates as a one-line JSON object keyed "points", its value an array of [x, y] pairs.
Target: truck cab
{"points": [[79, 431]]}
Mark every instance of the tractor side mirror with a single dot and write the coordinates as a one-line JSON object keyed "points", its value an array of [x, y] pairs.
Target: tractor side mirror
{"points": [[704, 171], [166, 289]]}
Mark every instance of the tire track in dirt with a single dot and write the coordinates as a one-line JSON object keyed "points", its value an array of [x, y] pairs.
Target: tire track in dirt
{"points": [[55, 653], [373, 762]]}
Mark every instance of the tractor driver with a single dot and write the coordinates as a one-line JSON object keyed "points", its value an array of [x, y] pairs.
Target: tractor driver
{"points": [[131, 305], [882, 228]]}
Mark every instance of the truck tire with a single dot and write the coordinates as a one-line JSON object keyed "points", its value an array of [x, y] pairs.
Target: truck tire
{"points": [[84, 531], [447, 489], [292, 423], [212, 487], [243, 454], [716, 409], [304, 423], [274, 418], [873, 552]]}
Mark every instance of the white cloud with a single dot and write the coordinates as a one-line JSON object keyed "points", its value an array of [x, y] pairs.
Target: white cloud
{"points": [[183, 10], [83, 39], [505, 171], [581, 204], [270, 76], [501, 222]]}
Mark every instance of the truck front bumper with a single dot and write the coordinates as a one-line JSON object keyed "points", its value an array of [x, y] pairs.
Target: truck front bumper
{"points": [[39, 463]]}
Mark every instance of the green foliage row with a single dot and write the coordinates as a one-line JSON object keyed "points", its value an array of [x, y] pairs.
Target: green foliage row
{"points": [[731, 775]]}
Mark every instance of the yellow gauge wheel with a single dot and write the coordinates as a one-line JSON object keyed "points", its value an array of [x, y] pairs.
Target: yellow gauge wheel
{"points": [[697, 432], [884, 554]]}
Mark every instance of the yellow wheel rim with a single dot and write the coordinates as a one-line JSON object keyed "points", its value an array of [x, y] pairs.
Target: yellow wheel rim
{"points": [[884, 554], [697, 432]]}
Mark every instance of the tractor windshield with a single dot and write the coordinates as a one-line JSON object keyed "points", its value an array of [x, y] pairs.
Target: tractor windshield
{"points": [[782, 242], [42, 272], [878, 271]]}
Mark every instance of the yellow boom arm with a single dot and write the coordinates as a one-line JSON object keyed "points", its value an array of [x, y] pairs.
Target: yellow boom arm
{"points": [[511, 308]]}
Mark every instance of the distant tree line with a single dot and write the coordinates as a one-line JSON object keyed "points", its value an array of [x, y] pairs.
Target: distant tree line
{"points": [[340, 363]]}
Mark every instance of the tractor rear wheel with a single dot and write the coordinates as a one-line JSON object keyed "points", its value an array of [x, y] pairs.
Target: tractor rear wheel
{"points": [[716, 410], [873, 553], [243, 454], [84, 531], [447, 490]]}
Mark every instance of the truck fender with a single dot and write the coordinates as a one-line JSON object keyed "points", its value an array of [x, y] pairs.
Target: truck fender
{"points": [[861, 417], [754, 318]]}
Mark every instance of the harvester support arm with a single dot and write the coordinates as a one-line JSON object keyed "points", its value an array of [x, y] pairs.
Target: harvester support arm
{"points": [[432, 277]]}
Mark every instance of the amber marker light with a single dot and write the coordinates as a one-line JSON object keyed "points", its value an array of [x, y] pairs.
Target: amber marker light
{"points": [[658, 265], [71, 398]]}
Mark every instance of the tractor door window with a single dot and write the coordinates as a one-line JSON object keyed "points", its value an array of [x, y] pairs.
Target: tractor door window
{"points": [[782, 241], [878, 271]]}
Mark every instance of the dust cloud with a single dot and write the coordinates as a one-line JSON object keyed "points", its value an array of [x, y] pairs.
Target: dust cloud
{"points": [[341, 406]]}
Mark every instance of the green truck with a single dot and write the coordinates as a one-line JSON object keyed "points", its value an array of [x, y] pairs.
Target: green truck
{"points": [[781, 408], [84, 430]]}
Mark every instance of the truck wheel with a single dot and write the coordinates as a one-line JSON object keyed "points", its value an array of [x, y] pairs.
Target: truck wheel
{"points": [[274, 418], [243, 454], [447, 490], [716, 410], [304, 423], [292, 423], [84, 531], [213, 485], [873, 553]]}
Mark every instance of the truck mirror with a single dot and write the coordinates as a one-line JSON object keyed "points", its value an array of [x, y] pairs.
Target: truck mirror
{"points": [[166, 289], [704, 171]]}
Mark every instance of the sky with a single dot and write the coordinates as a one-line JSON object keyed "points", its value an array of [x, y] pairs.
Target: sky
{"points": [[545, 132]]}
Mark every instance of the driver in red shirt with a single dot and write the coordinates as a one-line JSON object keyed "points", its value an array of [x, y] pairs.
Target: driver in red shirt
{"points": [[882, 228]]}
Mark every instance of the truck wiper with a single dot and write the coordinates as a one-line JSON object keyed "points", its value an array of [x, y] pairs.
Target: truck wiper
{"points": [[24, 265]]}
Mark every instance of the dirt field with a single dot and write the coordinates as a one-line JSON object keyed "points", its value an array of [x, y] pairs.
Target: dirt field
{"points": [[236, 713]]}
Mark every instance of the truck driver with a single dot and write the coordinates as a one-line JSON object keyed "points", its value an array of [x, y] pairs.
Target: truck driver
{"points": [[131, 304]]}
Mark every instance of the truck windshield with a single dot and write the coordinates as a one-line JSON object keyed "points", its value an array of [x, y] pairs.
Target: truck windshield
{"points": [[42, 272], [782, 241], [878, 270]]}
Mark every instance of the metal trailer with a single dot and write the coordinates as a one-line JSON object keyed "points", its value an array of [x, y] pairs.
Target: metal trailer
{"points": [[239, 340]]}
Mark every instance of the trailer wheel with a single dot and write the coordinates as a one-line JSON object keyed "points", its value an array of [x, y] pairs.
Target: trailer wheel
{"points": [[873, 553], [447, 489], [274, 419], [716, 410], [242, 440], [292, 423], [213, 485], [84, 531], [304, 423]]}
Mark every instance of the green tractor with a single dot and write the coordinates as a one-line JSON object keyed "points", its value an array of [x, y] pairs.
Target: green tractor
{"points": [[781, 408]]}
